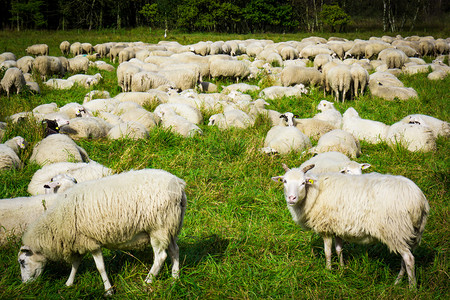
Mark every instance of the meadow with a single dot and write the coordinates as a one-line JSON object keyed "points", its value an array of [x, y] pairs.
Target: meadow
{"points": [[238, 240]]}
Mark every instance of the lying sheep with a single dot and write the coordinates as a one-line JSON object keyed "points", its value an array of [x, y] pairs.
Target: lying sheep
{"points": [[176, 123], [378, 89], [59, 84], [78, 171], [232, 118], [128, 130], [86, 80], [414, 137], [284, 139], [364, 129], [138, 207], [329, 113], [359, 208], [9, 151], [188, 112], [314, 128], [333, 161], [37, 49], [340, 141], [140, 115], [439, 127], [13, 81], [57, 148], [275, 92], [90, 128]]}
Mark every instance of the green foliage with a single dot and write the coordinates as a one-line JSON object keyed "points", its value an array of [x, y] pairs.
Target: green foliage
{"points": [[28, 13], [333, 16], [149, 11]]}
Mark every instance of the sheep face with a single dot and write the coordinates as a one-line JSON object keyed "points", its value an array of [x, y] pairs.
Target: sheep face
{"points": [[325, 105], [355, 168], [59, 183], [31, 264], [295, 182]]}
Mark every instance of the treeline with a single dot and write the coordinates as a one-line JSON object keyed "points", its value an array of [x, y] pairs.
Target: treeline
{"points": [[235, 16]]}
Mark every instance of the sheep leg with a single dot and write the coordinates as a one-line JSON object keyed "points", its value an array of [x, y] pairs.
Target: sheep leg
{"points": [[339, 246], [160, 256], [175, 257], [408, 259], [327, 243], [401, 273], [100, 264], [75, 264]]}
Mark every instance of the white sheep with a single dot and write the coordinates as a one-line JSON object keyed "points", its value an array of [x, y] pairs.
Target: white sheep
{"points": [[64, 46], [59, 84], [229, 68], [182, 79], [90, 128], [57, 148], [79, 171], [364, 129], [389, 92], [76, 48], [340, 141], [128, 130], [140, 115], [47, 66], [86, 80], [138, 208], [190, 113], [360, 78], [46, 108], [314, 128], [275, 92], [232, 118], [37, 49], [364, 208], [176, 123], [293, 75], [333, 161], [284, 139], [439, 127], [393, 58], [13, 81], [329, 113], [339, 79], [9, 151], [25, 64], [78, 64], [143, 81], [74, 109], [414, 137]]}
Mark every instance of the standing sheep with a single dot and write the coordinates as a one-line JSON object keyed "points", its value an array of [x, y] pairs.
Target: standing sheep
{"points": [[127, 210], [293, 75], [339, 79], [229, 68], [359, 208], [13, 81], [38, 49], [360, 78], [64, 47]]}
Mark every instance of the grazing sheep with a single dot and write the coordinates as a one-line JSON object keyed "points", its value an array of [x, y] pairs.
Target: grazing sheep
{"points": [[414, 137], [229, 68], [393, 209], [339, 79], [126, 54], [373, 48], [360, 78], [231, 118], [76, 48], [48, 66], [320, 60], [87, 48], [333, 161], [284, 139], [57, 148], [138, 208], [128, 130], [329, 113], [78, 171], [393, 58], [439, 127], [293, 75], [340, 141], [364, 129], [182, 79], [7, 56], [37, 49], [13, 81], [78, 64], [9, 151], [64, 47], [25, 64], [358, 50]]}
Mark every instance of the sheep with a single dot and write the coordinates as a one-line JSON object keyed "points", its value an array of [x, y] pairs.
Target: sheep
{"points": [[339, 79], [78, 64], [293, 75], [364, 129], [393, 208], [143, 81], [414, 137], [329, 113], [57, 148], [126, 54], [190, 113], [37, 49], [151, 96], [393, 58], [90, 128], [128, 130], [274, 92], [76, 48], [320, 60], [313, 128], [284, 139], [48, 66], [140, 115], [378, 89], [64, 46], [229, 68], [87, 48], [241, 87], [73, 110], [441, 47], [142, 207], [231, 118], [60, 84], [181, 79], [439, 127], [80, 172], [374, 48], [53, 126], [13, 81], [7, 56], [8, 64], [340, 141], [177, 124], [101, 105], [360, 78], [25, 64], [311, 51], [358, 50], [333, 161], [96, 94], [9, 151], [2, 129], [86, 80]]}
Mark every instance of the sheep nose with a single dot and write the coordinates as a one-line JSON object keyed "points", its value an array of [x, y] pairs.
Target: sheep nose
{"points": [[292, 198]]}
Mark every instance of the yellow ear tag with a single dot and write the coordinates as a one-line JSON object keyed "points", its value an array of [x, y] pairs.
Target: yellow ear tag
{"points": [[311, 181], [280, 179]]}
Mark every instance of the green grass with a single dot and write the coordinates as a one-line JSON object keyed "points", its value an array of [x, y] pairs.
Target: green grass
{"points": [[238, 240]]}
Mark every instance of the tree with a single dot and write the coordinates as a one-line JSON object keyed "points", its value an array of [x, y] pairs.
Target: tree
{"points": [[149, 11], [333, 16], [28, 14]]}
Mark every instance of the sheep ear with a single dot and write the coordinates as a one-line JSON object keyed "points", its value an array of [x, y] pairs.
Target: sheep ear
{"points": [[278, 178], [26, 250], [310, 180], [307, 168], [296, 116], [365, 166], [285, 167]]}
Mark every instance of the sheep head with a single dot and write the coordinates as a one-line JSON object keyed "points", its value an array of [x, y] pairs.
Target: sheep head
{"points": [[295, 182], [31, 264]]}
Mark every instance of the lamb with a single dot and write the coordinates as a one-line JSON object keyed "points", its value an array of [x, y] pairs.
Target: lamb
{"points": [[334, 161], [340, 141], [231, 118], [360, 78], [128, 130], [13, 81], [439, 127], [329, 113], [9, 151], [364, 129], [339, 79], [293, 75], [37, 49], [176, 123], [64, 47], [57, 148], [142, 207], [229, 68], [80, 172], [393, 208], [284, 139], [414, 137]]}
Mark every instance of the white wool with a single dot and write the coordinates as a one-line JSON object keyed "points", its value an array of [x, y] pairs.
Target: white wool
{"points": [[338, 140], [364, 129], [329, 113], [9, 151], [232, 118], [414, 137], [284, 139], [333, 161], [128, 130]]}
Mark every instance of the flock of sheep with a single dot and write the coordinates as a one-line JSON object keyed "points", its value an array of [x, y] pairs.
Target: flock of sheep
{"points": [[80, 192]]}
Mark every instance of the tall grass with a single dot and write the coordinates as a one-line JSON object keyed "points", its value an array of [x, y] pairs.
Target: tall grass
{"points": [[238, 240]]}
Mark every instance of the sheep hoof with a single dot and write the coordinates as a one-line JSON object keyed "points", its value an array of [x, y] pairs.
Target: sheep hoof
{"points": [[109, 292]]}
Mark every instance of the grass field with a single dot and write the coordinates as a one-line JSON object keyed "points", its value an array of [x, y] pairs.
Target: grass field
{"points": [[238, 240]]}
